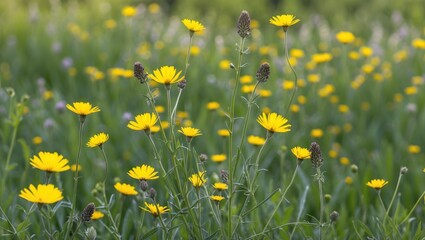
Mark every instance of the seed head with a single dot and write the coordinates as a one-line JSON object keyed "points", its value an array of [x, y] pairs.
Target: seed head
{"points": [[244, 24], [203, 157], [316, 155], [88, 212], [139, 72], [144, 185], [152, 193], [263, 72], [403, 170]]}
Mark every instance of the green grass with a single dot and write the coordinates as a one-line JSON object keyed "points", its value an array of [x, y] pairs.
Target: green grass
{"points": [[383, 120]]}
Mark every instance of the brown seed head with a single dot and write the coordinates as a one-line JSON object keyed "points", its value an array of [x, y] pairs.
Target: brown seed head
{"points": [[244, 24]]}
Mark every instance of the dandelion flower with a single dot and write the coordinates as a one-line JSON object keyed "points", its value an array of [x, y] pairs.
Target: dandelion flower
{"points": [[223, 132], [274, 122], [50, 162], [220, 186], [166, 75], [256, 141], [213, 105], [217, 198], [143, 122], [82, 108], [301, 153], [98, 140], [345, 37], [192, 25], [190, 132], [97, 215], [125, 189], [218, 157], [155, 209], [198, 179], [284, 21], [143, 172], [43, 194], [414, 149], [128, 11], [377, 183]]}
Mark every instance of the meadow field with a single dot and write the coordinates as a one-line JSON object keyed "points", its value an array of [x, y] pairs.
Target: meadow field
{"points": [[226, 120]]}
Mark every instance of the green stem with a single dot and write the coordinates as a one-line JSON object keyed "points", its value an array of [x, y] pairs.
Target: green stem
{"points": [[156, 153], [391, 221], [293, 71], [74, 192], [395, 193], [319, 174], [232, 120], [413, 208], [282, 198], [198, 194], [9, 156]]}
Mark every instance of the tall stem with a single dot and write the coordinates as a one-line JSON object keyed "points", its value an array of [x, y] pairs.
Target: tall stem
{"points": [[9, 156], [74, 192], [293, 71], [319, 174], [231, 123]]}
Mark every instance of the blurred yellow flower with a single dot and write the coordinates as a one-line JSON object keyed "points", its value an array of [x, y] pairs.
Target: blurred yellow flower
{"points": [[217, 198], [412, 90], [366, 51], [220, 186], [344, 161], [316, 133], [110, 24], [125, 189], [198, 179], [343, 108], [313, 78], [296, 53], [294, 108], [50, 162], [129, 11], [264, 93], [368, 68], [326, 90], [143, 172], [192, 25], [348, 180], [284, 21], [418, 43], [213, 105], [321, 57], [223, 132], [248, 88], [82, 108], [288, 85], [98, 140], [414, 149], [154, 8], [377, 183], [353, 55], [37, 140], [166, 75], [245, 79], [256, 140], [218, 157], [302, 99], [97, 215], [43, 194], [47, 95], [345, 37], [225, 64], [274, 122]]}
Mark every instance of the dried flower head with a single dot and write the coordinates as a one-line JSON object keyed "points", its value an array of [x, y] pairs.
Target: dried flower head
{"points": [[139, 72], [88, 212], [316, 155], [244, 24], [263, 72]]}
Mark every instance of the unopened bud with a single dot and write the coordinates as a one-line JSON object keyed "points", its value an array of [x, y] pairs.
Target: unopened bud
{"points": [[244, 24], [144, 185], [354, 168], [263, 72], [334, 216], [88, 212], [403, 170]]}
